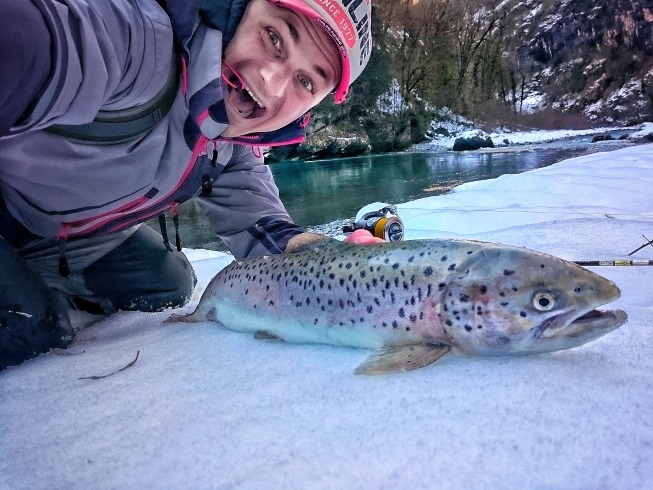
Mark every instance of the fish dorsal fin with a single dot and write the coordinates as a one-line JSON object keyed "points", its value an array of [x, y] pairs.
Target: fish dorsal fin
{"points": [[266, 336], [401, 358]]}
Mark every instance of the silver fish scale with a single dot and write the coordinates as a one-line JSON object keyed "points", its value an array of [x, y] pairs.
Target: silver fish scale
{"points": [[390, 289]]}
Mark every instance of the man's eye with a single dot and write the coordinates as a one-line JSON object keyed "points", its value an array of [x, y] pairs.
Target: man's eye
{"points": [[307, 83], [274, 38]]}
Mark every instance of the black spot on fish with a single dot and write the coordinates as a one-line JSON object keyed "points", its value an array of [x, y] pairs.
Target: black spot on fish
{"points": [[523, 314], [428, 271], [413, 318], [402, 314], [441, 286], [362, 273], [394, 324], [452, 267], [348, 266], [370, 309], [271, 303], [468, 328], [483, 289], [449, 323], [464, 298], [444, 258], [341, 303], [395, 266], [505, 304], [407, 329], [502, 294], [342, 282], [479, 326], [508, 272]]}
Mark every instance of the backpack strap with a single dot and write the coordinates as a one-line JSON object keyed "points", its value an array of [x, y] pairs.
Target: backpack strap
{"points": [[110, 127]]}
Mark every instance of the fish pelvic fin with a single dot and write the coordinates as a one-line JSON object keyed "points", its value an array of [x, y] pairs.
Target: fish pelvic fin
{"points": [[400, 358]]}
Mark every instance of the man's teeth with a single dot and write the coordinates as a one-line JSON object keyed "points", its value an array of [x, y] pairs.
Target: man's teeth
{"points": [[254, 98]]}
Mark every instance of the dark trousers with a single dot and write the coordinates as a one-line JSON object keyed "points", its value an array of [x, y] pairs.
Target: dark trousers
{"points": [[133, 270]]}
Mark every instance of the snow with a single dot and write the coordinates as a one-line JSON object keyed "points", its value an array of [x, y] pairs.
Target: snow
{"points": [[206, 408], [501, 138]]}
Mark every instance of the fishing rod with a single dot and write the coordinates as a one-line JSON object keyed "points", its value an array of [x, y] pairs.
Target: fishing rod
{"points": [[613, 263], [387, 225]]}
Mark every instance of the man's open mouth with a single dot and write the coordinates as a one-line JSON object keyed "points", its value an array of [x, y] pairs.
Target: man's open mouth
{"points": [[241, 96]]}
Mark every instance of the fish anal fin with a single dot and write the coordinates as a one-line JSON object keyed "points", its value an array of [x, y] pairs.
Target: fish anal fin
{"points": [[400, 358], [266, 336]]}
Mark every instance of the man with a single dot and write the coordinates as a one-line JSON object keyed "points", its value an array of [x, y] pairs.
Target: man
{"points": [[81, 163]]}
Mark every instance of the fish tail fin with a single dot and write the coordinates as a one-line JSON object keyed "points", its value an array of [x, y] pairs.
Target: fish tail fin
{"points": [[194, 317]]}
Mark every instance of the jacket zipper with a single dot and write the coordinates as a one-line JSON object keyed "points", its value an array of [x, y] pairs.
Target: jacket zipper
{"points": [[89, 225]]}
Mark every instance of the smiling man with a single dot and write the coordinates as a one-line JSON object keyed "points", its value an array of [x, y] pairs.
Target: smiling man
{"points": [[117, 111]]}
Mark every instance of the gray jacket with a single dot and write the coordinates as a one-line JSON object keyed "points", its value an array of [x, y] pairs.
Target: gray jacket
{"points": [[116, 54]]}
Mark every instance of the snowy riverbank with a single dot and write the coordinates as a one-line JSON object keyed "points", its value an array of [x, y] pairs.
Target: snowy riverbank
{"points": [[515, 138], [206, 408]]}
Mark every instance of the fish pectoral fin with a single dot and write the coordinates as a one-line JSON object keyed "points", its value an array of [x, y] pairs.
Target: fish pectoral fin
{"points": [[401, 358], [266, 336]]}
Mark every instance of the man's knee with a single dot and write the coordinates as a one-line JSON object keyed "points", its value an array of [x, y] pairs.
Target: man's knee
{"points": [[142, 274], [32, 318]]}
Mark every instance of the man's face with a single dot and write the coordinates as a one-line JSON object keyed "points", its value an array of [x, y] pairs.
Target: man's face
{"points": [[288, 65]]}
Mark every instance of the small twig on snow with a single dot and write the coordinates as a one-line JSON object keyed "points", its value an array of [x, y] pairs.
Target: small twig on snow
{"points": [[115, 372], [648, 242]]}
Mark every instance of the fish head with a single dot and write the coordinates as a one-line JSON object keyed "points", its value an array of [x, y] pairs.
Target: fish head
{"points": [[508, 300]]}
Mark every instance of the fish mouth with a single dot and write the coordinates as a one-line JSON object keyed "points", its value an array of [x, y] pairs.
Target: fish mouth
{"points": [[594, 322]]}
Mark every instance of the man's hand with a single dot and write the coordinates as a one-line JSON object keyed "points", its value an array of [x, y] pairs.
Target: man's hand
{"points": [[362, 237], [358, 237]]}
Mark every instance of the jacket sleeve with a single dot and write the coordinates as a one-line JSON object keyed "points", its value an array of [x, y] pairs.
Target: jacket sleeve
{"points": [[106, 55], [244, 208]]}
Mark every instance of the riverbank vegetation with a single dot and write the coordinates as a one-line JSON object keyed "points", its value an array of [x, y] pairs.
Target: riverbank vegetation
{"points": [[523, 64]]}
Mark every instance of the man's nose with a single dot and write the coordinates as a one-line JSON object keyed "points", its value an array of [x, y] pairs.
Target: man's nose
{"points": [[276, 75]]}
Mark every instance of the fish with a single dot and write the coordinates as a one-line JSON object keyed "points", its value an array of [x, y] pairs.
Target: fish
{"points": [[413, 301]]}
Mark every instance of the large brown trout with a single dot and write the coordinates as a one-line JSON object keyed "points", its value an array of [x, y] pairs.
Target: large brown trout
{"points": [[413, 301]]}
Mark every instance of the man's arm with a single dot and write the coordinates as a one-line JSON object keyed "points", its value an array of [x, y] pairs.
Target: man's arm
{"points": [[99, 55], [24, 60]]}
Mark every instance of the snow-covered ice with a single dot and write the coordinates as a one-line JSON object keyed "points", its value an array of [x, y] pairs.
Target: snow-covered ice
{"points": [[206, 408]]}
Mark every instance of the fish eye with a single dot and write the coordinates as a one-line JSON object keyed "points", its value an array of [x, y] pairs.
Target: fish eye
{"points": [[543, 301]]}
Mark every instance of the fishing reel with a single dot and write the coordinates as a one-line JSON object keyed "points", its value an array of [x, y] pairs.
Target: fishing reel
{"points": [[383, 223]]}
